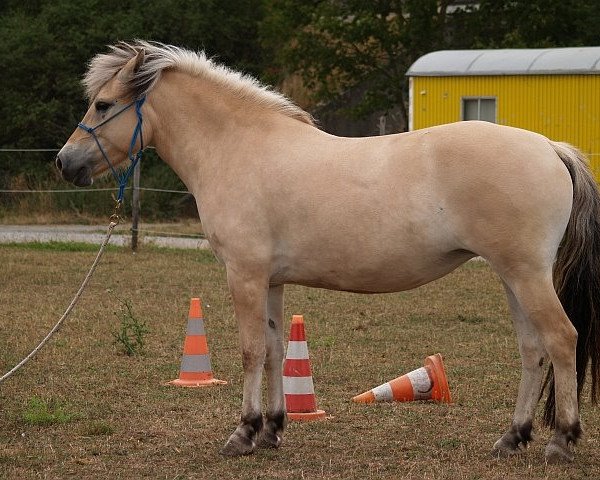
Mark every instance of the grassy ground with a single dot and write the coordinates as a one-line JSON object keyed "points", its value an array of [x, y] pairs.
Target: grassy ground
{"points": [[83, 409]]}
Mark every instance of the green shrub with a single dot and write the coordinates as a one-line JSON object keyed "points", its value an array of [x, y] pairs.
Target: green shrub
{"points": [[130, 337]]}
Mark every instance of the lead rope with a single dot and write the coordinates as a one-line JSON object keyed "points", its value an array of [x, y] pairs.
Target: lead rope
{"points": [[114, 221]]}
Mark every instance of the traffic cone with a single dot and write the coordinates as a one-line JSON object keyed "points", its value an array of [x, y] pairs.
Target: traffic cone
{"points": [[195, 369], [298, 388], [425, 383]]}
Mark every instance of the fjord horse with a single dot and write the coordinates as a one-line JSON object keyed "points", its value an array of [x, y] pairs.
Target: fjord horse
{"points": [[279, 201]]}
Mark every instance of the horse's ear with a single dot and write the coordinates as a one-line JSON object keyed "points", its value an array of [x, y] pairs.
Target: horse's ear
{"points": [[132, 66]]}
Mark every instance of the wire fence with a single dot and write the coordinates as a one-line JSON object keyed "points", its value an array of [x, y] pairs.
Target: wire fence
{"points": [[20, 190], [74, 190], [26, 150], [147, 232], [135, 230], [142, 231]]}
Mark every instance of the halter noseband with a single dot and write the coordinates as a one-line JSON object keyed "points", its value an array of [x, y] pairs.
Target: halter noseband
{"points": [[137, 132]]}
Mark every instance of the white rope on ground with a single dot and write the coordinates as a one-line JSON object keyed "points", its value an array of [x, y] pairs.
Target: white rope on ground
{"points": [[113, 223]]}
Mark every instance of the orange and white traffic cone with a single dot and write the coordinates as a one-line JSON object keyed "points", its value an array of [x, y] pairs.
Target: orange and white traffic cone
{"points": [[298, 388], [196, 370], [425, 383]]}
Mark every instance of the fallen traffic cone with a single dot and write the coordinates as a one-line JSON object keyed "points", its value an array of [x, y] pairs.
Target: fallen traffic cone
{"points": [[195, 369], [425, 383], [300, 400]]}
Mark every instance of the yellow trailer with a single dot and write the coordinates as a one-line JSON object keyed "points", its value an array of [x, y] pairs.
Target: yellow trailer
{"points": [[553, 91]]}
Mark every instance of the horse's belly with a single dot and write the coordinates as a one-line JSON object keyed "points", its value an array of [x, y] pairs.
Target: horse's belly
{"points": [[372, 275]]}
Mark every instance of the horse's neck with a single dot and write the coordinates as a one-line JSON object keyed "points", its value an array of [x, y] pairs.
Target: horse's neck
{"points": [[197, 128]]}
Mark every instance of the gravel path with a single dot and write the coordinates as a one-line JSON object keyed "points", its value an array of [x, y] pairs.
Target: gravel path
{"points": [[90, 234]]}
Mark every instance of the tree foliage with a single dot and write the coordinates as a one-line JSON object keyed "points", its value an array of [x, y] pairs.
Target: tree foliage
{"points": [[44, 49], [530, 24], [335, 45], [338, 45], [46, 44]]}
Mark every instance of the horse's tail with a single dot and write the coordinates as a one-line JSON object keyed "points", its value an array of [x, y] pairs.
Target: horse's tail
{"points": [[577, 274]]}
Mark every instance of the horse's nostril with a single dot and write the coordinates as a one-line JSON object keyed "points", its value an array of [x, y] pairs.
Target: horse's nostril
{"points": [[58, 163]]}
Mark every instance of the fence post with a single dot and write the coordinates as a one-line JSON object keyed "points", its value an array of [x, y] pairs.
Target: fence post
{"points": [[135, 207], [382, 121]]}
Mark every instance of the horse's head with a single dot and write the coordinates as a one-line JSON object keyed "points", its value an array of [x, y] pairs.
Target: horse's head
{"points": [[106, 136]]}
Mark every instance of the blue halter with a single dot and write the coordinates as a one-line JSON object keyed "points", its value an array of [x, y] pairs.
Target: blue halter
{"points": [[122, 179]]}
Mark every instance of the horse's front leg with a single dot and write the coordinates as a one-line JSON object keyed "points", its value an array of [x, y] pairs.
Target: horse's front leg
{"points": [[250, 300], [275, 420]]}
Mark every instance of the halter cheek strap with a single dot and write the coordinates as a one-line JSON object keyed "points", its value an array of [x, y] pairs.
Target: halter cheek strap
{"points": [[122, 179]]}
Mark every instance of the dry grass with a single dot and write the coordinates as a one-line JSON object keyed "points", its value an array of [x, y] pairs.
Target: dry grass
{"points": [[44, 218], [122, 422]]}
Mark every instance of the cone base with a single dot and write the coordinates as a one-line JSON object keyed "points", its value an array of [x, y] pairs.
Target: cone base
{"points": [[306, 416], [196, 383], [441, 390]]}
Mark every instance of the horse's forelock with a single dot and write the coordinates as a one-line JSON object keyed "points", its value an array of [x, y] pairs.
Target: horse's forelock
{"points": [[104, 66]]}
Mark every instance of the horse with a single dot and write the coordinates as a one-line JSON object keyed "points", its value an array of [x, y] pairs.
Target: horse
{"points": [[280, 200]]}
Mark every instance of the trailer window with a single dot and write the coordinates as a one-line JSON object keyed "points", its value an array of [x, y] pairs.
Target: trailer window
{"points": [[479, 108]]}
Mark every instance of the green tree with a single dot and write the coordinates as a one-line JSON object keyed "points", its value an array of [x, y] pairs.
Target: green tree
{"points": [[46, 44], [44, 49], [338, 45], [529, 24]]}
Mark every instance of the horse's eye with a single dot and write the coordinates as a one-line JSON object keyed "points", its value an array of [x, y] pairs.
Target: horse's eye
{"points": [[102, 107]]}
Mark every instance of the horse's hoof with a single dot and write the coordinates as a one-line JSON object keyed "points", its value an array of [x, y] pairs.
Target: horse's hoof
{"points": [[504, 449], [271, 434], [556, 453], [269, 440], [238, 446], [514, 440]]}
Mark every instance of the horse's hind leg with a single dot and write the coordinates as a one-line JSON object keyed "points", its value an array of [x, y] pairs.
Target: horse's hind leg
{"points": [[532, 371], [535, 294], [275, 418]]}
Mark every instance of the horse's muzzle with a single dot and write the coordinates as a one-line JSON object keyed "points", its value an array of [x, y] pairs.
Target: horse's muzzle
{"points": [[80, 176]]}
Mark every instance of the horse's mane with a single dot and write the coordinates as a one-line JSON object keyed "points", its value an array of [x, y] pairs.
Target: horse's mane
{"points": [[159, 57]]}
